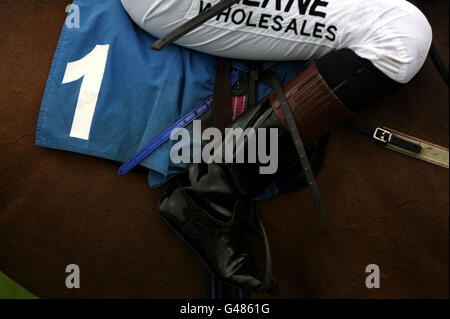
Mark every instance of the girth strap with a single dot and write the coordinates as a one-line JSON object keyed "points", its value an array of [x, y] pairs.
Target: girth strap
{"points": [[403, 143]]}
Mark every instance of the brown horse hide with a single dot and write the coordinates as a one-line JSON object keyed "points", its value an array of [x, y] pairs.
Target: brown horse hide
{"points": [[59, 208]]}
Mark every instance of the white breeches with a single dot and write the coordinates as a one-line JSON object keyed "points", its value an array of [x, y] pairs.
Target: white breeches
{"points": [[393, 34]]}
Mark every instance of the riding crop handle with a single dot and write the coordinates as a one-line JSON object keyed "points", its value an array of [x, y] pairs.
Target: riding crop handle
{"points": [[192, 24]]}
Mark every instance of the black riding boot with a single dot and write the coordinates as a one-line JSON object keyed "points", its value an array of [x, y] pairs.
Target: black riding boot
{"points": [[210, 206]]}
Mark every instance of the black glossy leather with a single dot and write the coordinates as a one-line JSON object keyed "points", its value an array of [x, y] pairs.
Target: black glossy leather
{"points": [[222, 245], [210, 207]]}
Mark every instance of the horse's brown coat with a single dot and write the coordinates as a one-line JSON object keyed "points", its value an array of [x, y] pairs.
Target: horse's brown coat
{"points": [[59, 208]]}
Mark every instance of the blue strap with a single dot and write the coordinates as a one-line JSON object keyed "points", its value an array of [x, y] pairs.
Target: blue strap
{"points": [[165, 136]]}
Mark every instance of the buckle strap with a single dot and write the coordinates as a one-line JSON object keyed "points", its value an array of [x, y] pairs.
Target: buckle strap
{"points": [[403, 143], [386, 137], [382, 135]]}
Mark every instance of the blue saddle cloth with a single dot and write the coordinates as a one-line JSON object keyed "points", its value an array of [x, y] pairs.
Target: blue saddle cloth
{"points": [[108, 95]]}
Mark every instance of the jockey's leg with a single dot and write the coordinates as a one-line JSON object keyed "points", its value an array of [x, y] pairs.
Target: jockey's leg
{"points": [[330, 90], [207, 204], [361, 47], [393, 34], [378, 45]]}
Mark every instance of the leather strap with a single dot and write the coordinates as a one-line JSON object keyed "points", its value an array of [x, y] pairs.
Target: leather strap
{"points": [[429, 152], [403, 143], [293, 130], [269, 285], [253, 83], [383, 136], [221, 105], [439, 61]]}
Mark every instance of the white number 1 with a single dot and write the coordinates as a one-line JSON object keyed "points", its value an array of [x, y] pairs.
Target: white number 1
{"points": [[92, 67]]}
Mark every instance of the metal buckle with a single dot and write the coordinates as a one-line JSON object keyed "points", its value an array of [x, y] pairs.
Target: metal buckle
{"points": [[382, 135]]}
